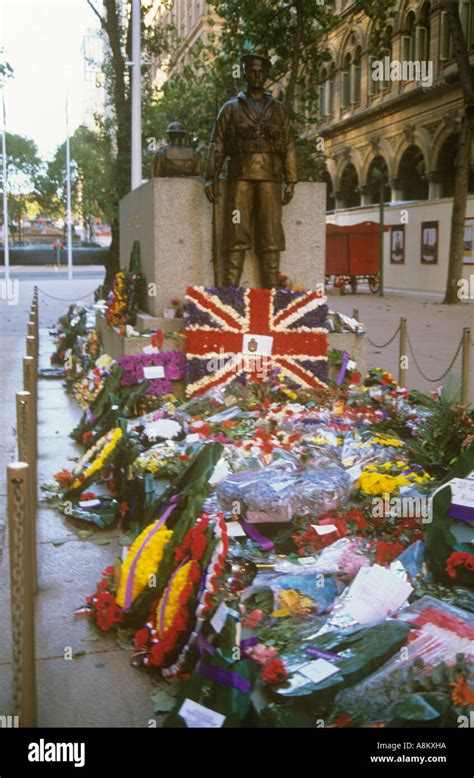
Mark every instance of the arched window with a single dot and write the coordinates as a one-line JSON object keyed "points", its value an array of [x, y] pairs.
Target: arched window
{"points": [[356, 77], [349, 187], [409, 38], [411, 172], [378, 167], [346, 78], [423, 34], [332, 88], [376, 86], [323, 94]]}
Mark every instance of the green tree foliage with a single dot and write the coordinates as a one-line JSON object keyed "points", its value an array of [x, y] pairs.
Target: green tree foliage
{"points": [[91, 168], [115, 21], [23, 166]]}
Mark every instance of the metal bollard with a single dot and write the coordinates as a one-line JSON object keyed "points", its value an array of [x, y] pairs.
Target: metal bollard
{"points": [[355, 314], [466, 357], [31, 347], [23, 623], [32, 333], [27, 447], [30, 384], [34, 319], [402, 353]]}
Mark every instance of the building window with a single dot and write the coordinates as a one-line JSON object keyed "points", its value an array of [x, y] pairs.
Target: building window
{"points": [[356, 77], [408, 47], [346, 82], [429, 243], [397, 245], [323, 95], [466, 13]]}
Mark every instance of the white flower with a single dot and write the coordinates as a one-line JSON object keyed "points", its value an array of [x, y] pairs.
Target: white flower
{"points": [[163, 428]]}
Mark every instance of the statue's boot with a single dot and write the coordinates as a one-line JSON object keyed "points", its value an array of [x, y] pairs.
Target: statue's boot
{"points": [[270, 265], [233, 266]]}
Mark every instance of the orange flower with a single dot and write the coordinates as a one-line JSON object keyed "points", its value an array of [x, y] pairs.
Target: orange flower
{"points": [[64, 478], [462, 693]]}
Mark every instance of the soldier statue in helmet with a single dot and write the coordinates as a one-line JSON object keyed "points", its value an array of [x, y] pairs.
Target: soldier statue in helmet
{"points": [[176, 159], [253, 131]]}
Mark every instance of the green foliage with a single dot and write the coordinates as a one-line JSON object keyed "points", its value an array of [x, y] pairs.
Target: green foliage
{"points": [[441, 434]]}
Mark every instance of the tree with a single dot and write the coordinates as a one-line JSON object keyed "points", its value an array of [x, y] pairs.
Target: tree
{"points": [[23, 165], [115, 21], [463, 158], [91, 167]]}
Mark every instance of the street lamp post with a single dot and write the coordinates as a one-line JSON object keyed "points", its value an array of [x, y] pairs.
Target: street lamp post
{"points": [[136, 140], [68, 199], [378, 177], [6, 244]]}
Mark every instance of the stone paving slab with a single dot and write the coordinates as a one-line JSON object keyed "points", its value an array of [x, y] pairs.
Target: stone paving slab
{"points": [[97, 690]]}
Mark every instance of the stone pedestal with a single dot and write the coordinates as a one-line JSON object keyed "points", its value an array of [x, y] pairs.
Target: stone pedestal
{"points": [[173, 222]]}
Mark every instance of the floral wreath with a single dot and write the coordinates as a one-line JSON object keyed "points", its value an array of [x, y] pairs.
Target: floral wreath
{"points": [[94, 460], [178, 615]]}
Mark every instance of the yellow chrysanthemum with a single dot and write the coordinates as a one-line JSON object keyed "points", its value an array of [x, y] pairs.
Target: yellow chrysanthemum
{"points": [[114, 437], [148, 562], [172, 604]]}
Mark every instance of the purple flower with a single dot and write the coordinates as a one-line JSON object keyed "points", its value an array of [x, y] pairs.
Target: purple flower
{"points": [[132, 370]]}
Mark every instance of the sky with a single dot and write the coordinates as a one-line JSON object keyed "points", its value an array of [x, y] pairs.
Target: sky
{"points": [[43, 40]]}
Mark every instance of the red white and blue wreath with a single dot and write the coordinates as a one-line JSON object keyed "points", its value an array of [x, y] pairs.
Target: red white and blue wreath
{"points": [[237, 333]]}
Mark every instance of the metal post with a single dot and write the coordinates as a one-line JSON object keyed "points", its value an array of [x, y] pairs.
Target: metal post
{"points": [[21, 567], [68, 200], [31, 346], [402, 354], [381, 220], [34, 321], [136, 140], [6, 244], [355, 313], [30, 384], [32, 333], [26, 433], [466, 358]]}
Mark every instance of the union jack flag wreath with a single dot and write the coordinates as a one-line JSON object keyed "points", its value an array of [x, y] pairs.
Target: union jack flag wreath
{"points": [[237, 333]]}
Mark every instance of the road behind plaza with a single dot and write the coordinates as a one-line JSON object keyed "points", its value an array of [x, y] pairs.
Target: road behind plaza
{"points": [[98, 687]]}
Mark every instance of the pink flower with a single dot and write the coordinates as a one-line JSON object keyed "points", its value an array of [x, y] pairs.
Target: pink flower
{"points": [[261, 653], [253, 619]]}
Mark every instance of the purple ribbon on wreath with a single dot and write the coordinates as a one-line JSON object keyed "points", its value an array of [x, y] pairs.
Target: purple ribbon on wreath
{"points": [[226, 677], [343, 368], [172, 502], [264, 543]]}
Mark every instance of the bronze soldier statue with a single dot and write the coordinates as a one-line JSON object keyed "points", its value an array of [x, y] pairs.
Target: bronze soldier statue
{"points": [[176, 159], [253, 130]]}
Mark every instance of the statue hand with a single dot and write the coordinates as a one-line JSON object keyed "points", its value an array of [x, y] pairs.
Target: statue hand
{"points": [[288, 192], [210, 191]]}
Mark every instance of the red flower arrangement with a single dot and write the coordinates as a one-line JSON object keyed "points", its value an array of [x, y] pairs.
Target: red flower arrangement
{"points": [[64, 478], [274, 672], [387, 552], [459, 559], [103, 603]]}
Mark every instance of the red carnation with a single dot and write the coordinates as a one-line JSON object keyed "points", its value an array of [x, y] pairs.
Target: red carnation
{"points": [[459, 559], [108, 612], [141, 639], [274, 672], [86, 436]]}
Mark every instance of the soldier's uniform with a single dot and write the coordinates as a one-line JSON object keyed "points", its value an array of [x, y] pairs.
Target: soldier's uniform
{"points": [[258, 141], [176, 159]]}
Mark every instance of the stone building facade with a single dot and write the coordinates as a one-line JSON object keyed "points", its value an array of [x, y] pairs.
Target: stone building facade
{"points": [[406, 130]]}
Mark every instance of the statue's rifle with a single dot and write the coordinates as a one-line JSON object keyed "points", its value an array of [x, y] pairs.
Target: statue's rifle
{"points": [[215, 252], [215, 205]]}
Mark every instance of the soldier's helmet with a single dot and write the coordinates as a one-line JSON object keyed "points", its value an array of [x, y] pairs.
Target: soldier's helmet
{"points": [[175, 128]]}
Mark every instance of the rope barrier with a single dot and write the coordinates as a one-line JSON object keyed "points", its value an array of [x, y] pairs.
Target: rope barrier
{"points": [[433, 380], [61, 299], [383, 345]]}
